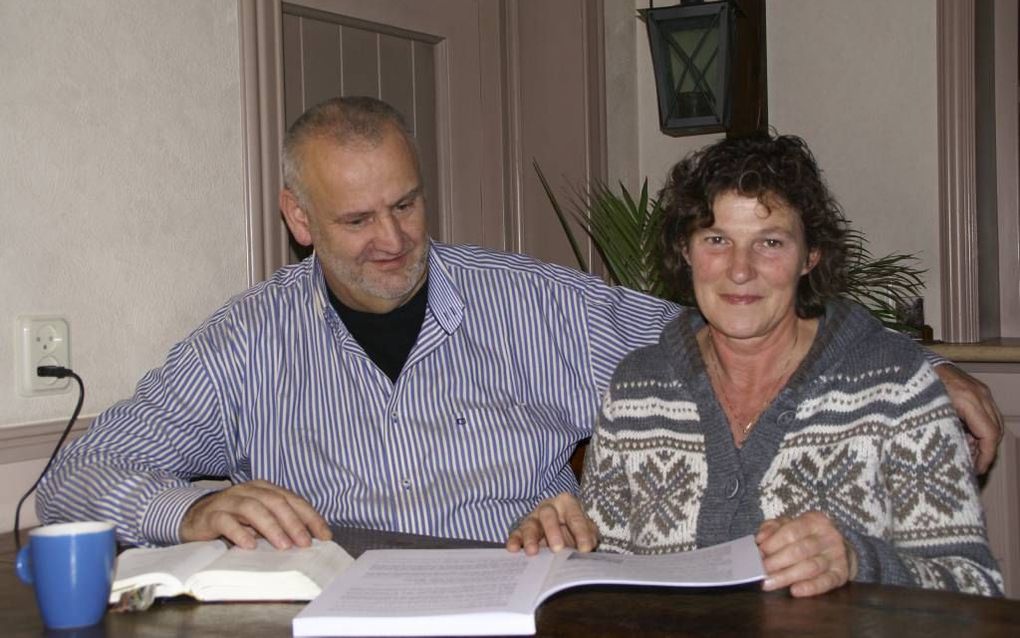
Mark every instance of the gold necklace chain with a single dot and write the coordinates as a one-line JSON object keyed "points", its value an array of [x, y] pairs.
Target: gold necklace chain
{"points": [[769, 396]]}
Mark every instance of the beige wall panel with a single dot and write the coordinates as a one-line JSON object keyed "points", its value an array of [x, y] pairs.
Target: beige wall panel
{"points": [[554, 120], [423, 56], [396, 75], [293, 75], [320, 41], [360, 62], [16, 478], [1001, 493]]}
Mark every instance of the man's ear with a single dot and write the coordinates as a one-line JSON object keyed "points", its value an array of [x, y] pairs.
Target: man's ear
{"points": [[296, 217]]}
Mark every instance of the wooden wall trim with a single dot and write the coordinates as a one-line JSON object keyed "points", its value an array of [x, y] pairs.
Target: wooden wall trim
{"points": [[595, 88], [513, 163], [957, 177], [251, 149], [597, 141], [999, 493], [1007, 164], [259, 23], [35, 441]]}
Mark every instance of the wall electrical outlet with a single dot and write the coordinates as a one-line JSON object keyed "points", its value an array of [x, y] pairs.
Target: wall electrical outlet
{"points": [[41, 341]]}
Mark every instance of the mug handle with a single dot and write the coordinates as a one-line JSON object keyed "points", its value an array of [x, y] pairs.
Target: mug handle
{"points": [[23, 566]]}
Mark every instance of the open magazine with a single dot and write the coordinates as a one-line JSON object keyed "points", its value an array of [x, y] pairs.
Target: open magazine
{"points": [[434, 592]]}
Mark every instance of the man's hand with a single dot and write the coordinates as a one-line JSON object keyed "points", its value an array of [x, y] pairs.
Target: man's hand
{"points": [[806, 554], [557, 522], [243, 512], [973, 403]]}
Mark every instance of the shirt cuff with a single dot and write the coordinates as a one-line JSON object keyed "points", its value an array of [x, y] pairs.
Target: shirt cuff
{"points": [[935, 359], [161, 524]]}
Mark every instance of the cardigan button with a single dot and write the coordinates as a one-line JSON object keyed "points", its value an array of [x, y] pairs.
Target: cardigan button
{"points": [[734, 486], [786, 418]]}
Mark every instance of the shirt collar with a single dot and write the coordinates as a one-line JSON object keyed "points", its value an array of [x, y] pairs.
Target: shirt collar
{"points": [[444, 300], [320, 298]]}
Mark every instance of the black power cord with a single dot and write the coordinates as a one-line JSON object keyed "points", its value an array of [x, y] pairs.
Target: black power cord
{"points": [[59, 373]]}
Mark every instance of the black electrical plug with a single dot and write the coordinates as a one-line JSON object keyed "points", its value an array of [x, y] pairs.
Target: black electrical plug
{"points": [[54, 371]]}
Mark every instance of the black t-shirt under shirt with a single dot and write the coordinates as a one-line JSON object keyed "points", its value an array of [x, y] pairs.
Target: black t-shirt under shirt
{"points": [[386, 338]]}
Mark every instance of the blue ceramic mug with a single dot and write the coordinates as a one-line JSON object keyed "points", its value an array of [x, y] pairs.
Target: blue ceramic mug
{"points": [[71, 567]]}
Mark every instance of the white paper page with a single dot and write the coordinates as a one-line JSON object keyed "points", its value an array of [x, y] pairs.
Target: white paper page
{"points": [[412, 582], [321, 562], [267, 573], [731, 563], [144, 565], [399, 591]]}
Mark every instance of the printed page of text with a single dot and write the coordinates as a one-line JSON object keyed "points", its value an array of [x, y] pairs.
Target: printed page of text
{"points": [[731, 563], [435, 582]]}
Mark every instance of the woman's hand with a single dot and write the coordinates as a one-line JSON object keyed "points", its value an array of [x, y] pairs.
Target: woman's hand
{"points": [[557, 522], [807, 554]]}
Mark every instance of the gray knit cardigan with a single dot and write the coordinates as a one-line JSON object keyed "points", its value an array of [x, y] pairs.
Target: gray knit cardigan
{"points": [[863, 431]]}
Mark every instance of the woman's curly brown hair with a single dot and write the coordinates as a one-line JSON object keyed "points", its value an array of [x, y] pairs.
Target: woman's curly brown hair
{"points": [[764, 167]]}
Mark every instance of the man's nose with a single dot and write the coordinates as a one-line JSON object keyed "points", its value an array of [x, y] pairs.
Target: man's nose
{"points": [[390, 236]]}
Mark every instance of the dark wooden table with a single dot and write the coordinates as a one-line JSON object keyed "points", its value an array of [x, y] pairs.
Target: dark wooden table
{"points": [[855, 610]]}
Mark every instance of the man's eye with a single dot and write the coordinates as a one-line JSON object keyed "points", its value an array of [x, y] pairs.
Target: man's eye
{"points": [[355, 222], [773, 243], [714, 240]]}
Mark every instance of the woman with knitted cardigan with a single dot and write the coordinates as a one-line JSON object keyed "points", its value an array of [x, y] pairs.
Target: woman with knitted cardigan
{"points": [[788, 413]]}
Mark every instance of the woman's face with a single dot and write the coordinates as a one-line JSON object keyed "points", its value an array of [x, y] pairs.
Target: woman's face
{"points": [[746, 266]]}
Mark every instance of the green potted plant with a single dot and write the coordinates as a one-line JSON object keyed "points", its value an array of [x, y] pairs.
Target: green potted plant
{"points": [[624, 230]]}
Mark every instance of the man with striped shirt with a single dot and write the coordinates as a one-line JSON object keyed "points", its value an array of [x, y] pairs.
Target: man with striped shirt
{"points": [[387, 381]]}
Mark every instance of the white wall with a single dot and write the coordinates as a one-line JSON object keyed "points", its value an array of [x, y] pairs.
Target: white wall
{"points": [[121, 185], [856, 80]]}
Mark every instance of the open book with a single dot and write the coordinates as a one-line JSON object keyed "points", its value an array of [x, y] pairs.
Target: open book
{"points": [[451, 592], [210, 571]]}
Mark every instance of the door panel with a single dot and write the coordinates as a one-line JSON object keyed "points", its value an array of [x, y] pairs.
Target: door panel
{"points": [[324, 56], [318, 41], [359, 62], [402, 52], [560, 75], [396, 73], [487, 85]]}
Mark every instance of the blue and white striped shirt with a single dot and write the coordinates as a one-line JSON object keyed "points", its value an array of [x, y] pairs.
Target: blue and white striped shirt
{"points": [[504, 380]]}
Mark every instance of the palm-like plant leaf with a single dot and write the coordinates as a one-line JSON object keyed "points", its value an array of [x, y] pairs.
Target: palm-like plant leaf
{"points": [[881, 284], [623, 230], [625, 233], [560, 215]]}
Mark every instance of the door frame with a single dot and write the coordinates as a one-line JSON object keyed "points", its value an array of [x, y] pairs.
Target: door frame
{"points": [[261, 66]]}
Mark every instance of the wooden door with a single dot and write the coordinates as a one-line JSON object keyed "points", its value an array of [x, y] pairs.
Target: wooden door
{"points": [[504, 82]]}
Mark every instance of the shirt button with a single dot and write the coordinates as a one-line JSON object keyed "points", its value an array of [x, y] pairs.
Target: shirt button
{"points": [[734, 486], [394, 415], [406, 483], [786, 418]]}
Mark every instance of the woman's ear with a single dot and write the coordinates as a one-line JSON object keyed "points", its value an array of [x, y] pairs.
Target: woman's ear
{"points": [[685, 251], [813, 256]]}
